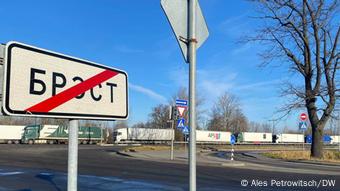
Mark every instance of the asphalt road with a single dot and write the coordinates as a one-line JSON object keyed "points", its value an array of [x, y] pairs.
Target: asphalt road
{"points": [[44, 167], [256, 158]]}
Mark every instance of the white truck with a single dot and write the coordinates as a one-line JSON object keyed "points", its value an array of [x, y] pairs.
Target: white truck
{"points": [[11, 133], [290, 138], [254, 137], [142, 135], [213, 136], [335, 139]]}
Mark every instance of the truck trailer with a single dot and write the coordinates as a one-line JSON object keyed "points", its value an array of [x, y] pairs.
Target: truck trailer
{"points": [[11, 133], [55, 134], [335, 139], [213, 136], [142, 135], [290, 138], [252, 137]]}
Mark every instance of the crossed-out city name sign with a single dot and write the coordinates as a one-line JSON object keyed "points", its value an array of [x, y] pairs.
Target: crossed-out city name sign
{"points": [[43, 83]]}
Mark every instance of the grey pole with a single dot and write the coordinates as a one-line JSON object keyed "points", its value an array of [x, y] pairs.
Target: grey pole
{"points": [[72, 173], [172, 140], [303, 143], [192, 93], [101, 134], [338, 130]]}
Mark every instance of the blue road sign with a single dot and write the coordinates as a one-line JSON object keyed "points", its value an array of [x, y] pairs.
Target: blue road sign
{"points": [[180, 123], [181, 102], [309, 139], [232, 139], [303, 125], [185, 130]]}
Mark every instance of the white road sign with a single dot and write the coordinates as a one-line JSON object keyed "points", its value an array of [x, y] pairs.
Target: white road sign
{"points": [[39, 82], [177, 14]]}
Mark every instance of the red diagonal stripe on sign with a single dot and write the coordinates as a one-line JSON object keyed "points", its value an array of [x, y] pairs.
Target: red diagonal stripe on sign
{"points": [[68, 94]]}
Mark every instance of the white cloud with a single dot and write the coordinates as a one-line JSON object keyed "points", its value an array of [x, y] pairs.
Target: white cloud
{"points": [[235, 26], [126, 49], [148, 92], [241, 49], [261, 84]]}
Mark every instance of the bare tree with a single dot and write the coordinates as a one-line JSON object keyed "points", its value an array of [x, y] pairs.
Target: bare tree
{"points": [[159, 117], [259, 127], [226, 115], [304, 35]]}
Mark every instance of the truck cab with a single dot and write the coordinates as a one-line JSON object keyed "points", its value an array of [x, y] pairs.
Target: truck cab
{"points": [[31, 133], [118, 135]]}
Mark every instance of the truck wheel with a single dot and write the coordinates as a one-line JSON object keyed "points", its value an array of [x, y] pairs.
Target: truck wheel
{"points": [[30, 142], [90, 142], [16, 142], [84, 142], [51, 142], [9, 142]]}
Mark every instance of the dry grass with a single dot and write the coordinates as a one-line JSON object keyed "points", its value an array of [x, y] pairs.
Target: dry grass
{"points": [[328, 156]]}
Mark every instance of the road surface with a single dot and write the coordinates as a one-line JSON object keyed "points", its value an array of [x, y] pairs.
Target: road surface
{"points": [[44, 168]]}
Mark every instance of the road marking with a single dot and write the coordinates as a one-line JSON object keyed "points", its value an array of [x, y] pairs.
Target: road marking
{"points": [[68, 94]]}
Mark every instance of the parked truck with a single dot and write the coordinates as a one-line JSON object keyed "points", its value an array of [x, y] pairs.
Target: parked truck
{"points": [[11, 133], [213, 136], [55, 134], [289, 138], [254, 137], [143, 135], [335, 139]]}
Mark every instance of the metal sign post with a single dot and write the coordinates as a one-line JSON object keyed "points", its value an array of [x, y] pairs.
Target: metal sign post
{"points": [[192, 93], [172, 140], [232, 142], [72, 173], [303, 126], [190, 29]]}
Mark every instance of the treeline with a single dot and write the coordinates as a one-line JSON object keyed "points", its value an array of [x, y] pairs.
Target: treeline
{"points": [[225, 115]]}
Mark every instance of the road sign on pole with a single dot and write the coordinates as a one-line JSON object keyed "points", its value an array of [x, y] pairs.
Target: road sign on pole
{"points": [[303, 125], [188, 24], [177, 14], [232, 139], [42, 83], [180, 123], [185, 130], [181, 110], [181, 102], [303, 116]]}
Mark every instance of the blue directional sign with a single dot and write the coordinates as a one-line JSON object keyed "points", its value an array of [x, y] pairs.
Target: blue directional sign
{"points": [[232, 139], [303, 125], [185, 130], [181, 102], [180, 123]]}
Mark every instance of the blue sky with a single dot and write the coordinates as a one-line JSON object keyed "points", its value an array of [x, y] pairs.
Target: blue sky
{"points": [[135, 36]]}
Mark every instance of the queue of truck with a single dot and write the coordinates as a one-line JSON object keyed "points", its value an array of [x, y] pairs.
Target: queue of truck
{"points": [[147, 135], [55, 134]]}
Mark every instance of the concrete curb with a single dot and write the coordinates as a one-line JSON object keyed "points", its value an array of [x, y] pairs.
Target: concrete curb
{"points": [[123, 154]]}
